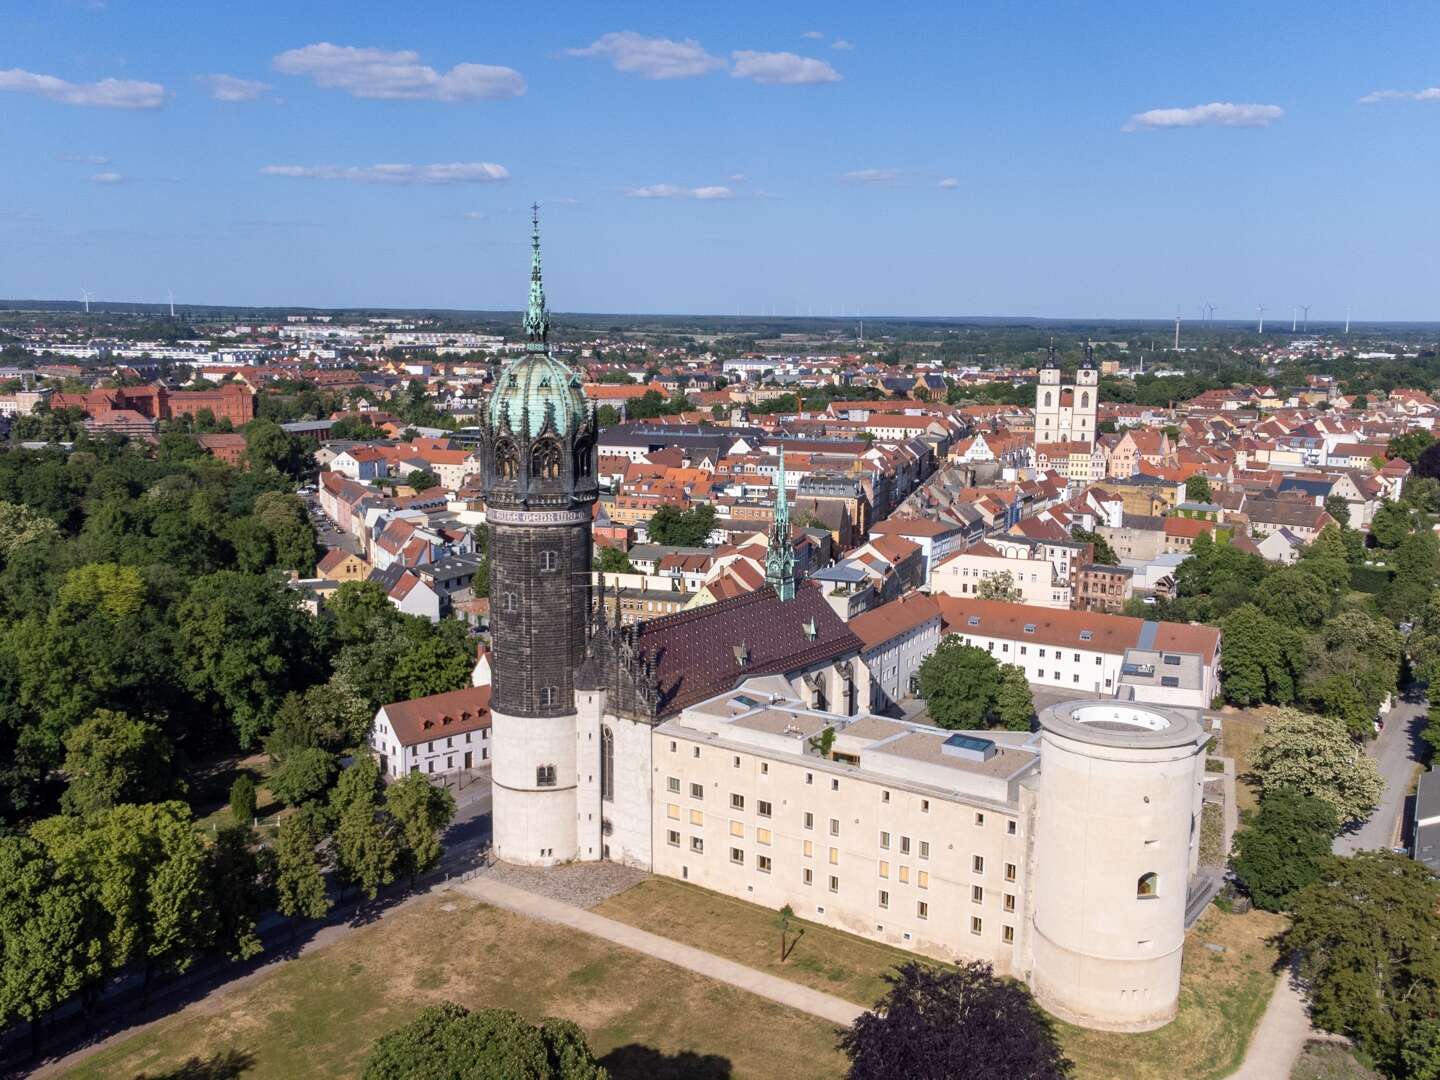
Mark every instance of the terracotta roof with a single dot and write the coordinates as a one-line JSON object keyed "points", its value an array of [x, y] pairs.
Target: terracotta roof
{"points": [[694, 651], [881, 624], [332, 558], [1190, 527], [439, 715], [1108, 633]]}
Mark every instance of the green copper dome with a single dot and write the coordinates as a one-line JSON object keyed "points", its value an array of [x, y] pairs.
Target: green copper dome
{"points": [[530, 385]]}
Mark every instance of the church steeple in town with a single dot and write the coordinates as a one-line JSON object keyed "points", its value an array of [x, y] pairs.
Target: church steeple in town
{"points": [[780, 555], [537, 317]]}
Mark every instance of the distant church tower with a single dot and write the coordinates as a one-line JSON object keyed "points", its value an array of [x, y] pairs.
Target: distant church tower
{"points": [[1067, 413], [538, 472]]}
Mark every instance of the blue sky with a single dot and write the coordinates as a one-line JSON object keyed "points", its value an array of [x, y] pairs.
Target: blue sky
{"points": [[917, 158]]}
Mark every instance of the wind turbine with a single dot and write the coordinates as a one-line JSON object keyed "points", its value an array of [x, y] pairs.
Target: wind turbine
{"points": [[1347, 318], [172, 303], [1260, 310], [1294, 317], [86, 293], [1305, 323], [1177, 327]]}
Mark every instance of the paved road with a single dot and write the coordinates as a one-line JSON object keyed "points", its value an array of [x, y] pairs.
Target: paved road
{"points": [[1396, 751], [816, 1003], [1280, 1035]]}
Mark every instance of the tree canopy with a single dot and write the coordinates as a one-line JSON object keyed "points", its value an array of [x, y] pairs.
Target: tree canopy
{"points": [[1316, 755], [1278, 851], [964, 687]]}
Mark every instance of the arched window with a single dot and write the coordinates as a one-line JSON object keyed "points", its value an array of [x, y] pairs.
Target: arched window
{"points": [[607, 764], [549, 560], [506, 460], [510, 605], [1085, 400], [1147, 887], [545, 460], [544, 775], [547, 696], [1047, 399]]}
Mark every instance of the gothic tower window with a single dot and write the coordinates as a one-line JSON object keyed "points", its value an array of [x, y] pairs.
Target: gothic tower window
{"points": [[545, 460], [1085, 400], [506, 460], [544, 775], [607, 764], [549, 560], [1047, 399], [547, 696], [510, 605]]}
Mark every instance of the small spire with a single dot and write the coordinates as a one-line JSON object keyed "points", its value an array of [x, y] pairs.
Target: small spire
{"points": [[780, 554], [537, 318]]}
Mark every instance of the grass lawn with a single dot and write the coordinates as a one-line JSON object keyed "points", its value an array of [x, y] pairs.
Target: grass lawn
{"points": [[824, 959], [1328, 1061], [211, 799], [1221, 999], [1238, 734], [317, 1016]]}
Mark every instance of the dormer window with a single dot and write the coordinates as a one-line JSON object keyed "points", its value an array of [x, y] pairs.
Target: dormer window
{"points": [[1086, 635], [1029, 628], [974, 620]]}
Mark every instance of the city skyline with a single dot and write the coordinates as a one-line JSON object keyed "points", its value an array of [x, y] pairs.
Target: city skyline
{"points": [[1056, 164]]}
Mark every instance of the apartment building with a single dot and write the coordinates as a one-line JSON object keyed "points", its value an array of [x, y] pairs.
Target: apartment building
{"points": [[1039, 581]]}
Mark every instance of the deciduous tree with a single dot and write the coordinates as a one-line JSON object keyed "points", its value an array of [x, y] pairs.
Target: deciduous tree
{"points": [[299, 883], [112, 758], [1315, 755], [422, 812], [1278, 851]]}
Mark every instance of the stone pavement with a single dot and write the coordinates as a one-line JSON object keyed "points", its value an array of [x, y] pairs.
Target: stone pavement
{"points": [[1280, 1036], [826, 1006]]}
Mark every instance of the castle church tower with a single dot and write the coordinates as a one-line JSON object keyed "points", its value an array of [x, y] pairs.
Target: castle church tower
{"points": [[538, 473]]}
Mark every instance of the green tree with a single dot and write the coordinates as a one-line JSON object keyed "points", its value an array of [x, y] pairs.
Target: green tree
{"points": [[1014, 705], [422, 811], [1410, 587], [1410, 445], [1261, 660], [299, 881], [20, 525], [1420, 1053], [1220, 574], [304, 775], [1392, 523], [1368, 938], [240, 876], [116, 591], [1294, 597], [1104, 553], [447, 1040], [111, 759], [1278, 850], [242, 800], [999, 586], [964, 687], [681, 528], [49, 948], [1338, 508], [422, 479], [1315, 755], [366, 848], [1197, 489], [269, 446], [609, 560], [244, 643]]}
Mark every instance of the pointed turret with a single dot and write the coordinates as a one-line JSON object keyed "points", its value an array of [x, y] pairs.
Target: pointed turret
{"points": [[537, 317], [780, 555]]}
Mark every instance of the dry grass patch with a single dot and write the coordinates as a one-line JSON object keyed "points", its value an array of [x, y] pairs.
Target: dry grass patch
{"points": [[1222, 997], [1239, 731], [823, 959], [318, 1016], [1328, 1061]]}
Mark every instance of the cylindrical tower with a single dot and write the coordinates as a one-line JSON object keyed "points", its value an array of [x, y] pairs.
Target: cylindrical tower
{"points": [[1115, 821], [538, 466]]}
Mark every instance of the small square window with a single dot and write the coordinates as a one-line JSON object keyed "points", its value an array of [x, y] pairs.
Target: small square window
{"points": [[884, 841], [977, 863], [672, 811], [924, 806], [922, 879], [764, 768], [884, 899], [762, 807], [737, 856], [697, 817], [834, 856], [809, 820], [762, 863], [737, 761], [904, 874], [924, 849], [1010, 828], [697, 845], [834, 883], [977, 894], [809, 778], [695, 751], [884, 796], [1007, 934], [922, 909], [697, 791], [979, 819], [1009, 902], [834, 784], [834, 826], [672, 783], [762, 836], [672, 837], [807, 876], [884, 869], [737, 802], [1009, 871], [674, 746], [977, 924], [737, 828], [904, 845]]}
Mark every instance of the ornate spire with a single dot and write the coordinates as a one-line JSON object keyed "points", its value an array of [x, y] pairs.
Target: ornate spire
{"points": [[537, 318], [780, 555], [1050, 360]]}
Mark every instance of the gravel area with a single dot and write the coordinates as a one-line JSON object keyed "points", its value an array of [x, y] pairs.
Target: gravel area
{"points": [[582, 884]]}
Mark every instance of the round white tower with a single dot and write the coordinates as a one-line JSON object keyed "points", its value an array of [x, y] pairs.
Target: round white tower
{"points": [[1117, 815]]}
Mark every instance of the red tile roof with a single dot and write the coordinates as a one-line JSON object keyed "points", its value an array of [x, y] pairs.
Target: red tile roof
{"points": [[439, 715], [879, 625]]}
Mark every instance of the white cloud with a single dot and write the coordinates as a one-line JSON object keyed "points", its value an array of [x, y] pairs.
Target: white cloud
{"points": [[231, 88], [1215, 114], [84, 159], [736, 178], [781, 68], [675, 191], [105, 94], [872, 176], [842, 44], [107, 178], [652, 57], [948, 183], [399, 75], [452, 173], [813, 35], [1376, 97]]}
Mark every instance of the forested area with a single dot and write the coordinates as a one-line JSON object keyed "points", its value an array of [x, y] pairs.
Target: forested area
{"points": [[147, 632]]}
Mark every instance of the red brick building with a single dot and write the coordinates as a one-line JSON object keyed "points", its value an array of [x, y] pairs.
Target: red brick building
{"points": [[230, 402]]}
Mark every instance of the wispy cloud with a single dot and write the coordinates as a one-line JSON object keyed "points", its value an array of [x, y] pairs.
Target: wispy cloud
{"points": [[842, 44], [105, 94], [232, 88], [1377, 97], [781, 68], [472, 172], [813, 35], [84, 159], [1215, 114], [675, 191], [736, 177], [948, 183], [872, 176], [651, 57], [107, 178], [397, 75]]}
